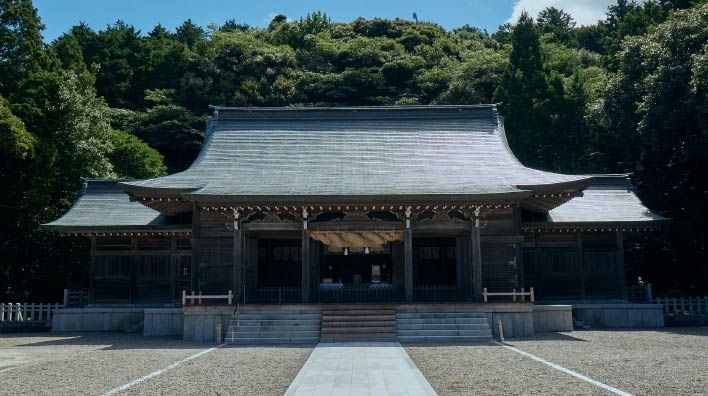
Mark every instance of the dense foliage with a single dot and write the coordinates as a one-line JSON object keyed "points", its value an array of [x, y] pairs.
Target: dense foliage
{"points": [[627, 94]]}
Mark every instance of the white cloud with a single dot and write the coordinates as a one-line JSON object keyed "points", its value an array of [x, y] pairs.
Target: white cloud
{"points": [[585, 12]]}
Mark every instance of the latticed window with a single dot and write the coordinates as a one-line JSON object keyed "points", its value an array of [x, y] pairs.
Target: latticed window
{"points": [[499, 269]]}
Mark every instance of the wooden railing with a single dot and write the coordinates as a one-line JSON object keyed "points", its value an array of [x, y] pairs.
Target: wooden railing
{"points": [[513, 294], [75, 298], [23, 312], [277, 295], [346, 293], [435, 293], [192, 297], [684, 306]]}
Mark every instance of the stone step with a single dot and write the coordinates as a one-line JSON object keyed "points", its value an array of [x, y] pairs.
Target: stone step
{"points": [[442, 321], [387, 336], [434, 315], [357, 312], [444, 339], [271, 334], [278, 316], [275, 328], [268, 341], [359, 323], [355, 330], [275, 322], [443, 326], [327, 318], [426, 333]]}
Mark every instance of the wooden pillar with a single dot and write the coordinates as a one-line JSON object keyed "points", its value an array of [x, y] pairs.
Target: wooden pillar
{"points": [[581, 264], [519, 246], [173, 268], [92, 271], [459, 268], [305, 258], [476, 255], [620, 264], [237, 285], [408, 257], [196, 231], [133, 267]]}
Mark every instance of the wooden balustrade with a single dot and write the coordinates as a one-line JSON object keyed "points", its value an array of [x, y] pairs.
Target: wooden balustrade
{"points": [[229, 297], [513, 294]]}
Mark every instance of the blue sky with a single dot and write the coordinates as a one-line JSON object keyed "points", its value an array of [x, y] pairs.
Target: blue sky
{"points": [[60, 15]]}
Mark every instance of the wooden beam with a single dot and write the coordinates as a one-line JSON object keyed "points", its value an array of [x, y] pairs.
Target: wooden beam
{"points": [[581, 264], [305, 260], [92, 271], [196, 232], [237, 260], [476, 255], [173, 267], [408, 263]]}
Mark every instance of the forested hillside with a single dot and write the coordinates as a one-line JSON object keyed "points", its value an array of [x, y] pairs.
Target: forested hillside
{"points": [[627, 94]]}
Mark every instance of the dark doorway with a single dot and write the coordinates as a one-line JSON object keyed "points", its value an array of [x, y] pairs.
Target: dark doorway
{"points": [[434, 261], [356, 268], [279, 262]]}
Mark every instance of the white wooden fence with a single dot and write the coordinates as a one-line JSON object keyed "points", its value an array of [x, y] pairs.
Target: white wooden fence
{"points": [[199, 297], [513, 294], [22, 312], [684, 306]]}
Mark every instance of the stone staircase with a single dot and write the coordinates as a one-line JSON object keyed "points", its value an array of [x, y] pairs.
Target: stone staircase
{"points": [[433, 325], [341, 323], [256, 327]]}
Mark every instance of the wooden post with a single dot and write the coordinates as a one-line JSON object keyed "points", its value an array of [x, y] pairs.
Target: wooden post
{"points": [[408, 256], [231, 297], [133, 268], [620, 263], [533, 298], [92, 271], [184, 298], [484, 294], [581, 263], [237, 255], [476, 254], [173, 268], [196, 232], [66, 298], [305, 258]]}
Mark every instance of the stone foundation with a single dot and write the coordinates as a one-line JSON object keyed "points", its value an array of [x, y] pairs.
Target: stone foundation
{"points": [[619, 315], [163, 322], [97, 319]]}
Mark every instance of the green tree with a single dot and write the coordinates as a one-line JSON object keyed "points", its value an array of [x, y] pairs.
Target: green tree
{"points": [[523, 93], [134, 159]]}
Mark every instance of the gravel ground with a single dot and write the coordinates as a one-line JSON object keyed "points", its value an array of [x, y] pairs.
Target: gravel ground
{"points": [[86, 363], [670, 361], [487, 369], [231, 370]]}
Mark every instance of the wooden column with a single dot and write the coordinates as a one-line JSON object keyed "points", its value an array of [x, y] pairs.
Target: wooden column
{"points": [[237, 258], [620, 263], [581, 264], [92, 271], [133, 267], [476, 255], [305, 258], [173, 268], [459, 268], [196, 231], [520, 276], [408, 257]]}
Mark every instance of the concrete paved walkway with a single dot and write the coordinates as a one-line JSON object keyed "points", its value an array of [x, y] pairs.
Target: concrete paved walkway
{"points": [[360, 368]]}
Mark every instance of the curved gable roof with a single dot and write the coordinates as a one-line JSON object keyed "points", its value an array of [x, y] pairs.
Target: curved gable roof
{"points": [[394, 151]]}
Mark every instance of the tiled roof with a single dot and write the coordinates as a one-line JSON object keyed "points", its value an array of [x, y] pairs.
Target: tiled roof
{"points": [[356, 152], [102, 204], [608, 200]]}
